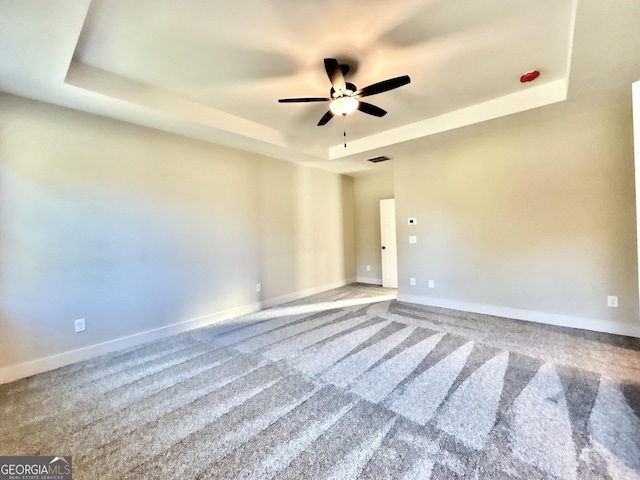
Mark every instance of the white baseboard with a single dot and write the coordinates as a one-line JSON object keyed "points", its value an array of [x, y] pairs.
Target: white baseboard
{"points": [[370, 280], [26, 369], [593, 324]]}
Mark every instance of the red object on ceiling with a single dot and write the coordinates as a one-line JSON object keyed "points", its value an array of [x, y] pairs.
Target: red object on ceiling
{"points": [[529, 76]]}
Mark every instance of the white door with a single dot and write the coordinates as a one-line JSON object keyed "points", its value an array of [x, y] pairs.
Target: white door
{"points": [[388, 241]]}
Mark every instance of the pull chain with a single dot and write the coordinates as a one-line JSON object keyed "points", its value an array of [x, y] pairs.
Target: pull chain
{"points": [[344, 129]]}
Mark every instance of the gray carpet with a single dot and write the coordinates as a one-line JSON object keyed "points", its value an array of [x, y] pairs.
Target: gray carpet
{"points": [[345, 384]]}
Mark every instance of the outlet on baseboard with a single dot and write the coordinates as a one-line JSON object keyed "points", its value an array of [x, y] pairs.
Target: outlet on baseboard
{"points": [[258, 287], [612, 301], [80, 325]]}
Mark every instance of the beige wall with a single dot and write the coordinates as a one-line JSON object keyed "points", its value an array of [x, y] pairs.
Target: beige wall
{"points": [[369, 190], [306, 229], [136, 230], [536, 221], [636, 147]]}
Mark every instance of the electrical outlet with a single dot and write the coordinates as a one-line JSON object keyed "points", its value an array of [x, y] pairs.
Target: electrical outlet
{"points": [[612, 301], [80, 325], [412, 281], [413, 239], [432, 284], [258, 287], [368, 268]]}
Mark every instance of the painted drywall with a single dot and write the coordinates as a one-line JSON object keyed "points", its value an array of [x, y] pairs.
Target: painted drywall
{"points": [[636, 144], [309, 213], [137, 231], [535, 222], [368, 191]]}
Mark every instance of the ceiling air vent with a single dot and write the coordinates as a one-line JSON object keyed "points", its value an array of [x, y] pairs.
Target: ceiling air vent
{"points": [[378, 159]]}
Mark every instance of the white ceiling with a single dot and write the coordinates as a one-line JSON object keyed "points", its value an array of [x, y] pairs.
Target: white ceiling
{"points": [[214, 70]]}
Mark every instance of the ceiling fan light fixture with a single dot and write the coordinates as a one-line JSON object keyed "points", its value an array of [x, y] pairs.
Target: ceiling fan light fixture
{"points": [[344, 106]]}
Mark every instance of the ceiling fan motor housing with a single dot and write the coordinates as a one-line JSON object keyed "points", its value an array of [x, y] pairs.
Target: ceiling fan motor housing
{"points": [[351, 89]]}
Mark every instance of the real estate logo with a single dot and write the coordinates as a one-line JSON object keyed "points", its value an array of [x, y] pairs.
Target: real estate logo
{"points": [[36, 468]]}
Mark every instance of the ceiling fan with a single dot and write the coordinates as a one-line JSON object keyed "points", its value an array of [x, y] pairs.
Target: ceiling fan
{"points": [[345, 97]]}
